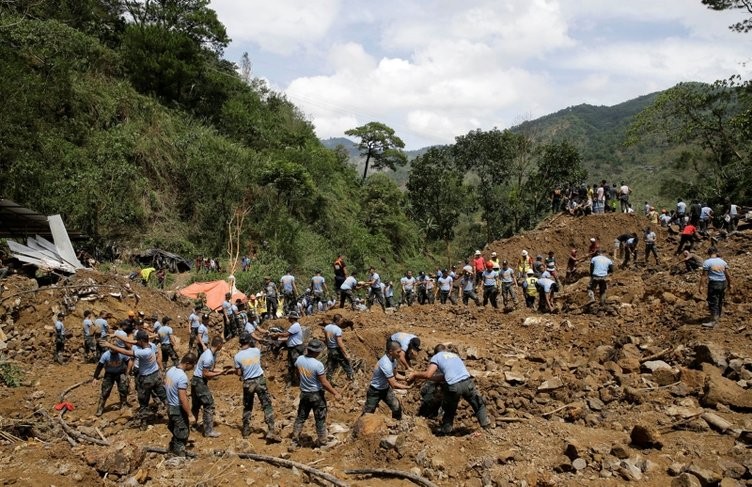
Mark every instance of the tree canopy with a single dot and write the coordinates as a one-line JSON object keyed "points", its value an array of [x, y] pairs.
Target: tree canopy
{"points": [[380, 146]]}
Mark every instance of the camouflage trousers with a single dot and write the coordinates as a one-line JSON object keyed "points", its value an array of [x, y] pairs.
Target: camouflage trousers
{"points": [[168, 353], [375, 396], [257, 387], [311, 401], [148, 386], [334, 359], [178, 424], [462, 390], [431, 397], [201, 396], [292, 371], [109, 380]]}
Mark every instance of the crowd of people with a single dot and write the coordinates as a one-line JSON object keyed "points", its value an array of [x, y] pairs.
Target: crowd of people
{"points": [[144, 347]]}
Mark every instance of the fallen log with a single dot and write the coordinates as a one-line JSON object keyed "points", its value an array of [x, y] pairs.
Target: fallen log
{"points": [[716, 422], [380, 472], [558, 409], [655, 356], [281, 462]]}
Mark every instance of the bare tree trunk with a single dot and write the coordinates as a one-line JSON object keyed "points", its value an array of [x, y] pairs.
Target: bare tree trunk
{"points": [[365, 171]]}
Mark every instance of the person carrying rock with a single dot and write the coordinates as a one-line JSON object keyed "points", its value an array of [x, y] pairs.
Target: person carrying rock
{"points": [[600, 267], [717, 279], [384, 381], [201, 396], [114, 365], [248, 367], [294, 344], [460, 385], [336, 355], [409, 345], [313, 383], [167, 342], [178, 408], [149, 380]]}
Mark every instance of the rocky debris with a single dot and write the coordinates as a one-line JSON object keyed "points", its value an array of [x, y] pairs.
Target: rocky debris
{"points": [[514, 377], [369, 425], [119, 459], [392, 442], [620, 451], [579, 464], [645, 437], [629, 471], [686, 480], [709, 353], [720, 390], [706, 477], [551, 385]]}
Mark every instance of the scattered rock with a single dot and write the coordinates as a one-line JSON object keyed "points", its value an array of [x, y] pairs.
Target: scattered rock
{"points": [[472, 353], [551, 385], [729, 482], [653, 365], [392, 442], [686, 480], [710, 353], [633, 396], [645, 437], [664, 376], [506, 456], [620, 451], [706, 477], [720, 390], [595, 404], [732, 469], [630, 471], [563, 464], [119, 459], [369, 425], [579, 464], [675, 469], [514, 377], [573, 450], [669, 298]]}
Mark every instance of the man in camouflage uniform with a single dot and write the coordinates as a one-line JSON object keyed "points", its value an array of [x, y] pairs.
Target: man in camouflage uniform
{"points": [[114, 365], [248, 367]]}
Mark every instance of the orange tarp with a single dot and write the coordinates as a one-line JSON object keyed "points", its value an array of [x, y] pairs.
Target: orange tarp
{"points": [[214, 292]]}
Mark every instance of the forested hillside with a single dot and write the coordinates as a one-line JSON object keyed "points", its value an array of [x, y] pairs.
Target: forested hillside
{"points": [[139, 132]]}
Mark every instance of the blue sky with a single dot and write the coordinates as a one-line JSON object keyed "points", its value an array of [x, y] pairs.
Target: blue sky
{"points": [[435, 69]]}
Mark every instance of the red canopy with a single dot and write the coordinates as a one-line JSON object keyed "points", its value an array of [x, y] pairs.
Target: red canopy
{"points": [[214, 291]]}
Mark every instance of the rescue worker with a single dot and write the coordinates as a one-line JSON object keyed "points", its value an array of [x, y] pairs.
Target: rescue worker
{"points": [[716, 276], [201, 396], [178, 408], [336, 354], [409, 345], [600, 267], [508, 284], [248, 367], [270, 291], [490, 285], [114, 365], [59, 338], [90, 344], [479, 264], [383, 382], [294, 343], [460, 385], [467, 289], [167, 343], [194, 321], [346, 290], [408, 288], [530, 288], [313, 383]]}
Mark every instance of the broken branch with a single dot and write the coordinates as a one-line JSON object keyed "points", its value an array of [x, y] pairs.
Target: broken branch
{"points": [[281, 462], [379, 472]]}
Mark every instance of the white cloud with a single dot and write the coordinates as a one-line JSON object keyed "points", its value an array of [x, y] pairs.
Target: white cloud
{"points": [[281, 26], [437, 68]]}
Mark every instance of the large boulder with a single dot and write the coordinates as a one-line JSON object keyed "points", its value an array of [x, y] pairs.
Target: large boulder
{"points": [[370, 425], [120, 459], [720, 390]]}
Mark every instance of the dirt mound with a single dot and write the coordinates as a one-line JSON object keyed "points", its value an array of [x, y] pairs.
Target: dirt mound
{"points": [[636, 391]]}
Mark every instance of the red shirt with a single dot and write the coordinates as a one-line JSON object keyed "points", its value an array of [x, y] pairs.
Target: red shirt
{"points": [[480, 264], [689, 230]]}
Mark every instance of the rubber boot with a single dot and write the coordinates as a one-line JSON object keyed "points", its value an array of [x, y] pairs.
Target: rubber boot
{"points": [[271, 435], [296, 429], [246, 429], [100, 407], [124, 402], [209, 431]]}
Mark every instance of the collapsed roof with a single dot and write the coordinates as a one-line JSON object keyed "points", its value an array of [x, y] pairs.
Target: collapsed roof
{"points": [[158, 258]]}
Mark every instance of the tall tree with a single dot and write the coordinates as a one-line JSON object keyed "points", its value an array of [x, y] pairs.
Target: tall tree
{"points": [[437, 194], [380, 146]]}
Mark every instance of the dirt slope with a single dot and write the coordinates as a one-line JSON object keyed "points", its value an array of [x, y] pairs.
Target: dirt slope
{"points": [[573, 382]]}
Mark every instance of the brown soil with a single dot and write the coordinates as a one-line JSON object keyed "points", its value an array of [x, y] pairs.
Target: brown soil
{"points": [[594, 351]]}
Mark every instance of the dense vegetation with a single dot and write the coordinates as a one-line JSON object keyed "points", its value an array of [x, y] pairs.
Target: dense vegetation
{"points": [[124, 116], [138, 132]]}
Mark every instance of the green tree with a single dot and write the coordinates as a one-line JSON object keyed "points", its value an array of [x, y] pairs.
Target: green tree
{"points": [[380, 145], [436, 193]]}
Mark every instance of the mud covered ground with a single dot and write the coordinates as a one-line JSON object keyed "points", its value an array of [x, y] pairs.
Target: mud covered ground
{"points": [[633, 392]]}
